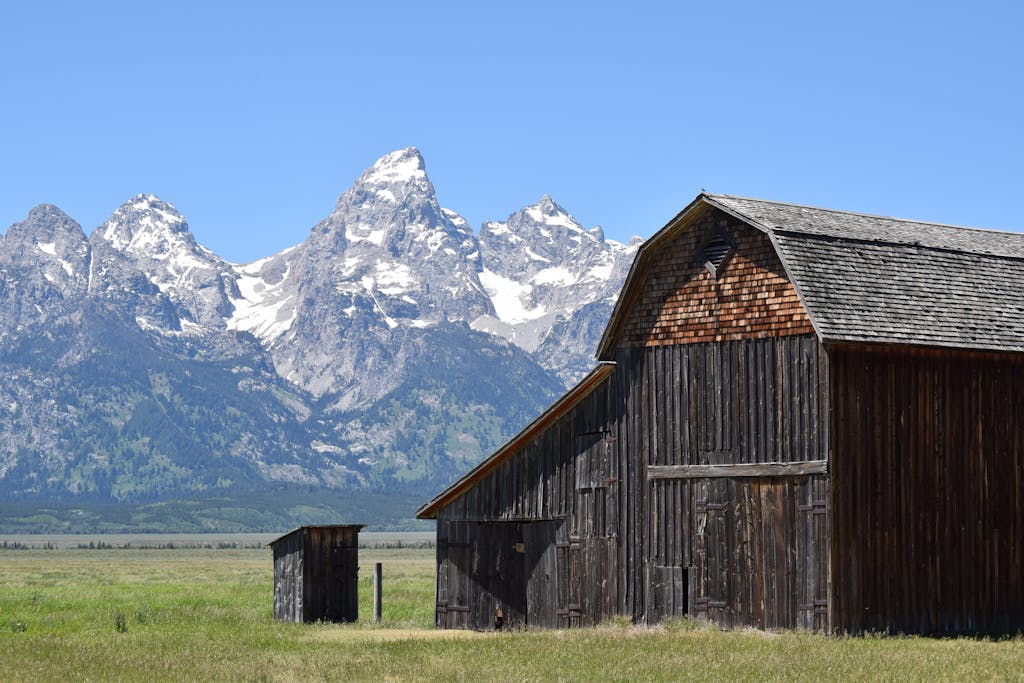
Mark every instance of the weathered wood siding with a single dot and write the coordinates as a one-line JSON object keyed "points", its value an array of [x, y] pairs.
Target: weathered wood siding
{"points": [[288, 577], [928, 491], [316, 574], [627, 543], [332, 574], [737, 550], [538, 537], [711, 369]]}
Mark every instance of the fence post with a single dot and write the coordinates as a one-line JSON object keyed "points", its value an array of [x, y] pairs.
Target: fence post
{"points": [[378, 576]]}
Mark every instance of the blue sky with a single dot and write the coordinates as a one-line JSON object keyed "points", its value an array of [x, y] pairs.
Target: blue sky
{"points": [[253, 117]]}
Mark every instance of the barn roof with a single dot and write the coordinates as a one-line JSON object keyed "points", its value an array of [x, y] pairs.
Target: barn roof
{"points": [[865, 278], [489, 464]]}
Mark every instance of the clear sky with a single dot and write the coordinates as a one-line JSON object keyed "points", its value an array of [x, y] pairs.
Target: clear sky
{"points": [[253, 117]]}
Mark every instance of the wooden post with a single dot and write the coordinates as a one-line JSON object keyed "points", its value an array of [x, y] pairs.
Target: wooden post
{"points": [[378, 575]]}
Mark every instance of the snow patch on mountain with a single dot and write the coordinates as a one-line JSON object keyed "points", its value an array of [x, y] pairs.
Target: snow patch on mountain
{"points": [[509, 298], [401, 166], [265, 306]]}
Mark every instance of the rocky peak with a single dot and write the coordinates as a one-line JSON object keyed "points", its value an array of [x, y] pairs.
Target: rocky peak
{"points": [[548, 211], [46, 224], [538, 237], [402, 167], [50, 241], [146, 226], [44, 265], [392, 205], [389, 241], [147, 238], [547, 275]]}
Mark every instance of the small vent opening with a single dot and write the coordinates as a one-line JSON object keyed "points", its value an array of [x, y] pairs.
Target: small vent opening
{"points": [[716, 252]]}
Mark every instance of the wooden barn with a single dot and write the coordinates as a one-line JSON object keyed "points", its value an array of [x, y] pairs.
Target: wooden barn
{"points": [[316, 573], [802, 418]]}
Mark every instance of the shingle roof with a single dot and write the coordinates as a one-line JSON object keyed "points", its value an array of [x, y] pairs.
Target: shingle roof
{"points": [[880, 279]]}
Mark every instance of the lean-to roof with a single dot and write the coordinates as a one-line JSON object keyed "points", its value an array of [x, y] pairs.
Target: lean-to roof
{"points": [[532, 430]]}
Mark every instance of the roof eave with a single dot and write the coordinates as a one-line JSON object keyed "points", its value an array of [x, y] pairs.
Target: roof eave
{"points": [[834, 341]]}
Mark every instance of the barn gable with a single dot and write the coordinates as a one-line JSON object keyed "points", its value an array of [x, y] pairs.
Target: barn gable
{"points": [[682, 298]]}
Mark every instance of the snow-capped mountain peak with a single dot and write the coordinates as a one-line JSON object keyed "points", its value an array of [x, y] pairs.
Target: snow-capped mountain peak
{"points": [[548, 213], [356, 341], [154, 238], [401, 167], [549, 278], [147, 225]]}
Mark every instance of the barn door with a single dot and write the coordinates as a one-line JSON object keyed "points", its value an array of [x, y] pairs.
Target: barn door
{"points": [[668, 558], [481, 571], [453, 566], [551, 579], [760, 552], [812, 537], [709, 575]]}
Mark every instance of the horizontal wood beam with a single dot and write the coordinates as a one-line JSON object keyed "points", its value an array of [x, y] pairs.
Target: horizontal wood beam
{"points": [[760, 469]]}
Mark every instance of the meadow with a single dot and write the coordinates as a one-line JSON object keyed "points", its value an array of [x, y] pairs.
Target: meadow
{"points": [[200, 614]]}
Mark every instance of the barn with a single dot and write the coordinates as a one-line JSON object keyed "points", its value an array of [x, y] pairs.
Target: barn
{"points": [[800, 418]]}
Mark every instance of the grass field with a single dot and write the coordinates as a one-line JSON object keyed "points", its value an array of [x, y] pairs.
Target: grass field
{"points": [[205, 614]]}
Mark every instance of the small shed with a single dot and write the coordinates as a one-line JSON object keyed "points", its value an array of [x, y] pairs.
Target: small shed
{"points": [[316, 573]]}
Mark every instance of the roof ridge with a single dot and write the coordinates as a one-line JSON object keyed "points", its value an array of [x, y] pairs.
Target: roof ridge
{"points": [[865, 215]]}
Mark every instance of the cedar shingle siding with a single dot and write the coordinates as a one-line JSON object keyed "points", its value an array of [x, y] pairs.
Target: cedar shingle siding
{"points": [[683, 303], [826, 433]]}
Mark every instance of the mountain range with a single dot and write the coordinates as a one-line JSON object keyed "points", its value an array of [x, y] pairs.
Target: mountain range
{"points": [[390, 350]]}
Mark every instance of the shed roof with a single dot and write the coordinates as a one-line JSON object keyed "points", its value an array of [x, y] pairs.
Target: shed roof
{"points": [[306, 527], [865, 278]]}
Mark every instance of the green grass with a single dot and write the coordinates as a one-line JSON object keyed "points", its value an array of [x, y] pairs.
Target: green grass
{"points": [[205, 615]]}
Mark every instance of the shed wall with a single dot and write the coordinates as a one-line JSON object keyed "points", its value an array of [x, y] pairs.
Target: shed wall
{"points": [[331, 583], [288, 577], [316, 573]]}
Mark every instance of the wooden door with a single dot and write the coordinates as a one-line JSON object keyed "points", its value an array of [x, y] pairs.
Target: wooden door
{"points": [[552, 571], [668, 550], [453, 570], [760, 552], [709, 575]]}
